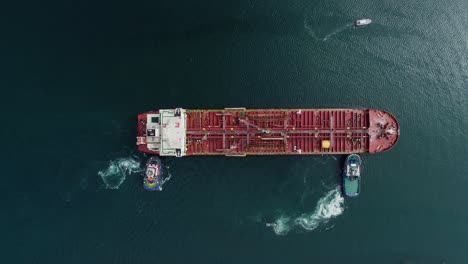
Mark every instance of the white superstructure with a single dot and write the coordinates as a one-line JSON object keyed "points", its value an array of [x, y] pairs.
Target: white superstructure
{"points": [[165, 132]]}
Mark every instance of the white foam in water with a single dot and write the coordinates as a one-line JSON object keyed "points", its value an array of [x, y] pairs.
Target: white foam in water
{"points": [[329, 206], [168, 177], [118, 170], [282, 225]]}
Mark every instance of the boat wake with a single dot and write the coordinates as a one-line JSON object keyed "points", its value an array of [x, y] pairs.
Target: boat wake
{"points": [[282, 225], [329, 206], [324, 25], [337, 31], [118, 170]]}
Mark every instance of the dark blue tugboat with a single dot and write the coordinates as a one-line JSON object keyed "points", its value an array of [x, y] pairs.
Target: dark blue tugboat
{"points": [[352, 176], [153, 175]]}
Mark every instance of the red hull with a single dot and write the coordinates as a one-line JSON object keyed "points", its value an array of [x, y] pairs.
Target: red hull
{"points": [[240, 132]]}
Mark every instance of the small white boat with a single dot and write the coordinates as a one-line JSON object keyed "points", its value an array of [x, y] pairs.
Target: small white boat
{"points": [[362, 22]]}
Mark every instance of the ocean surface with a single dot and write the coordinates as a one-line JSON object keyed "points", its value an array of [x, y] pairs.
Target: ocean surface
{"points": [[74, 75]]}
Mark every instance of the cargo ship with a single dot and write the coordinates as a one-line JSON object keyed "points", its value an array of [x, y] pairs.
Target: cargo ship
{"points": [[240, 132]]}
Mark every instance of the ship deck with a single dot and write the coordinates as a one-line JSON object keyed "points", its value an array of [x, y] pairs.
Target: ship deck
{"points": [[240, 132]]}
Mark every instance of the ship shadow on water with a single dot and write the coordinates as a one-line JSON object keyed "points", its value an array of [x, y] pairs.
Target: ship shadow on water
{"points": [[339, 178]]}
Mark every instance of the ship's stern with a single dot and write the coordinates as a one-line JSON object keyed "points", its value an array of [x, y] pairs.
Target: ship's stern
{"points": [[148, 132], [162, 132]]}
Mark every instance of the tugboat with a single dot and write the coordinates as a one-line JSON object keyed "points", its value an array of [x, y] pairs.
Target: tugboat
{"points": [[153, 175], [352, 176], [362, 22]]}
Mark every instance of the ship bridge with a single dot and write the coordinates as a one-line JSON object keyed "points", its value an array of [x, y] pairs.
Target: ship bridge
{"points": [[172, 132], [162, 132]]}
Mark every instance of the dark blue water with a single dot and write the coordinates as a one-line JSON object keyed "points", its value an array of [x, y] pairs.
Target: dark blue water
{"points": [[76, 73]]}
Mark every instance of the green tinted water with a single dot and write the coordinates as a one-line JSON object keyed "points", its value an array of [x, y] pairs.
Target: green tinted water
{"points": [[75, 74]]}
